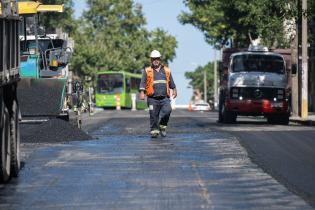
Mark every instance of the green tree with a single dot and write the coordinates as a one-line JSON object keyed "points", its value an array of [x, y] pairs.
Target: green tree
{"points": [[196, 78], [112, 37], [236, 22], [164, 43], [64, 20]]}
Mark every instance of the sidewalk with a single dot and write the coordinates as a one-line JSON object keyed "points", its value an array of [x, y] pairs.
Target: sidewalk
{"points": [[310, 120]]}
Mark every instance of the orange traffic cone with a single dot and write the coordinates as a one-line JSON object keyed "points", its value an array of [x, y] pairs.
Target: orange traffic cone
{"points": [[118, 107], [189, 107]]}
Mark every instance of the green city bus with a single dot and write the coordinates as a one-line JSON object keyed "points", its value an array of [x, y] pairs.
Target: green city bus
{"points": [[111, 84]]}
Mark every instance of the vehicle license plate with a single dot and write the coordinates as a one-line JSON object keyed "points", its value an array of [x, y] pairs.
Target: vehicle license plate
{"points": [[277, 105]]}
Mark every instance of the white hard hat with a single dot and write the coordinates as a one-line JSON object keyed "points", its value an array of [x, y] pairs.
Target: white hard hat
{"points": [[155, 54]]}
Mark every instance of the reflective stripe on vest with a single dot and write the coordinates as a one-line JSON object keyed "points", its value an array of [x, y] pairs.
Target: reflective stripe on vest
{"points": [[159, 81], [150, 81]]}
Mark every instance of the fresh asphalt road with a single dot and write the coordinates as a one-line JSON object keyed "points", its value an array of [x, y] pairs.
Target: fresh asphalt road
{"points": [[200, 165]]}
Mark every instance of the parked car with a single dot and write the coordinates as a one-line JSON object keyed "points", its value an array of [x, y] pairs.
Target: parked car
{"points": [[201, 107]]}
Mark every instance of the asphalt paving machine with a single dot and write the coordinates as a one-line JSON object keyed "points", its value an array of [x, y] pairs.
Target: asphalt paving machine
{"points": [[9, 77], [44, 66]]}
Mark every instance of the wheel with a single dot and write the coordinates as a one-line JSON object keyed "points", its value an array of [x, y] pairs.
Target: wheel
{"points": [[284, 119], [220, 118], [224, 116], [227, 117], [15, 140], [233, 117], [279, 119], [221, 102], [79, 120], [79, 123], [5, 146], [270, 120]]}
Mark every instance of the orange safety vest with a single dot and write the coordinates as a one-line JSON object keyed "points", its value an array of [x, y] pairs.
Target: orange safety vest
{"points": [[150, 81]]}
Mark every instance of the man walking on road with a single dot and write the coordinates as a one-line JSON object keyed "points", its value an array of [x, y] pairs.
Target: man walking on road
{"points": [[157, 81]]}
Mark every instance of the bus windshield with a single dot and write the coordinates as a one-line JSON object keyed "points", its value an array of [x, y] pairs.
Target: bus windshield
{"points": [[110, 83], [258, 63]]}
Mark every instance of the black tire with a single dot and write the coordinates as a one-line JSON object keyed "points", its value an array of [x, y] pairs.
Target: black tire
{"points": [[221, 102], [270, 120], [5, 146], [283, 119], [220, 117], [233, 117], [15, 140], [224, 114], [227, 117]]}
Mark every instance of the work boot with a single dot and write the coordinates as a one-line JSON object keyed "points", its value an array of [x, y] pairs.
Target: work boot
{"points": [[155, 133], [163, 130]]}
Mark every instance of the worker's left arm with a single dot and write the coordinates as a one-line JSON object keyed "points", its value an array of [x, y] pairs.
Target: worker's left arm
{"points": [[173, 87], [143, 84]]}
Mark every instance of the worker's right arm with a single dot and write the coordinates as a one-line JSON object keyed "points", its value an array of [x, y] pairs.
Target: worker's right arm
{"points": [[143, 84]]}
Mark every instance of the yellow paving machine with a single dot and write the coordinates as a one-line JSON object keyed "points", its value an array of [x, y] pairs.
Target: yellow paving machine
{"points": [[44, 66]]}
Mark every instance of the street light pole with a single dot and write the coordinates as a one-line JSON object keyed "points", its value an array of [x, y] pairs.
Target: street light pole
{"points": [[304, 101]]}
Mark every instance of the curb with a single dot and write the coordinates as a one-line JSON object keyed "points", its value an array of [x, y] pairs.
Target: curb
{"points": [[303, 122]]}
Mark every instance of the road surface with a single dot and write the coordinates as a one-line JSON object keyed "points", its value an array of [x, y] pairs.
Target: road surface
{"points": [[200, 165]]}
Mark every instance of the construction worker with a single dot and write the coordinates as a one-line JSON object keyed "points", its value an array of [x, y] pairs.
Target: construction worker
{"points": [[157, 82]]}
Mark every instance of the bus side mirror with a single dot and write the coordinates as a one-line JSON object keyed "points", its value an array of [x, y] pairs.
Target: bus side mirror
{"points": [[293, 68]]}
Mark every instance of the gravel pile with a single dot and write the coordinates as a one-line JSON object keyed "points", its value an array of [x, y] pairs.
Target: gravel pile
{"points": [[54, 130]]}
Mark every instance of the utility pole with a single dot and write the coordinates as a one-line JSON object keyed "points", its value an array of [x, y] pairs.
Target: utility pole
{"points": [[205, 85], [304, 101], [215, 79]]}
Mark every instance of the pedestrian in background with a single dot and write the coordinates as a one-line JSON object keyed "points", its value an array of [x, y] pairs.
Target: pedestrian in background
{"points": [[156, 83]]}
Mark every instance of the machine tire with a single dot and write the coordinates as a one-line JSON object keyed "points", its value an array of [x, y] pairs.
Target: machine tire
{"points": [[5, 146], [15, 140]]}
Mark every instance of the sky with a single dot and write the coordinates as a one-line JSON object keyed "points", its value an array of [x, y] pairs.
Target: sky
{"points": [[192, 50]]}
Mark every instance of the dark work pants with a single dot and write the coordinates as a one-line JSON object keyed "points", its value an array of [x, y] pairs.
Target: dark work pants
{"points": [[160, 111]]}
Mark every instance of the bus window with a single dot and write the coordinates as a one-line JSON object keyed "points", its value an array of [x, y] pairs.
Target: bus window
{"points": [[127, 85], [135, 83], [110, 83]]}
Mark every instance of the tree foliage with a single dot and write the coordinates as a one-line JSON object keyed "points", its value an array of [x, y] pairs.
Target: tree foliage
{"points": [[63, 20], [236, 22], [311, 16], [196, 78], [112, 36]]}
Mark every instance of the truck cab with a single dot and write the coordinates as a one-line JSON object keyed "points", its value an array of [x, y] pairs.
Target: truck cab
{"points": [[254, 83]]}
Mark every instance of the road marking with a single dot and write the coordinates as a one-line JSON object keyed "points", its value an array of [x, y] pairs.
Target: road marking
{"points": [[204, 191]]}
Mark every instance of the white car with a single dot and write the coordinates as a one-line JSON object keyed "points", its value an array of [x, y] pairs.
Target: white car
{"points": [[202, 107]]}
